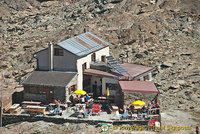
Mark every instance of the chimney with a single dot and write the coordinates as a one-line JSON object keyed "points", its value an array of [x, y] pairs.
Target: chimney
{"points": [[51, 56], [127, 56]]}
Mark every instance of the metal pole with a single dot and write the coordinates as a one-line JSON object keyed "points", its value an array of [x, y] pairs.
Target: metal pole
{"points": [[1, 122]]}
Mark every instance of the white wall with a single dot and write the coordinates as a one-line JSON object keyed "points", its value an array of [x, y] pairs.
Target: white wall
{"points": [[101, 52], [107, 80], [87, 59], [72, 82], [80, 62]]}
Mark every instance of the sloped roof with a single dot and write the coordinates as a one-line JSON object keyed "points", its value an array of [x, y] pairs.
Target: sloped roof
{"points": [[49, 78], [136, 70], [138, 86], [101, 73], [83, 44]]}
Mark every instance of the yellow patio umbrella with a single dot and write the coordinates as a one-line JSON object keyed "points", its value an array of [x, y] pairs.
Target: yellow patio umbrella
{"points": [[138, 102], [80, 92]]}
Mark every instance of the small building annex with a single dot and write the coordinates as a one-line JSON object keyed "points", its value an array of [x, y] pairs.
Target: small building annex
{"points": [[82, 62]]}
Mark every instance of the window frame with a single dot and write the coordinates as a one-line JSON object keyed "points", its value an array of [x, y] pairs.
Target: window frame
{"points": [[58, 52]]}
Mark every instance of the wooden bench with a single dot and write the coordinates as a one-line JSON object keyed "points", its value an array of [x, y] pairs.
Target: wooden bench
{"points": [[15, 108], [34, 103], [36, 109]]}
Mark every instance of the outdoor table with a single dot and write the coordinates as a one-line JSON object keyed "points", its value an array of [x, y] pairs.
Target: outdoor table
{"points": [[101, 98], [114, 109], [37, 109], [34, 103], [79, 104], [137, 107], [52, 104]]}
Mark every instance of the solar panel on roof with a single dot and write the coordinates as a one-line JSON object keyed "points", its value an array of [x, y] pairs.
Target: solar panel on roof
{"points": [[109, 57], [112, 62]]}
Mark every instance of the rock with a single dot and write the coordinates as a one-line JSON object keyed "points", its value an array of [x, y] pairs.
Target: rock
{"points": [[29, 70], [166, 65], [146, 52], [195, 98], [181, 82], [139, 56], [173, 87], [112, 1]]}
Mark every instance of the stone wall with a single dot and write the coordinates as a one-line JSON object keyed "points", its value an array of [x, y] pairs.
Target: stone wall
{"points": [[59, 93], [35, 97], [10, 119], [131, 97]]}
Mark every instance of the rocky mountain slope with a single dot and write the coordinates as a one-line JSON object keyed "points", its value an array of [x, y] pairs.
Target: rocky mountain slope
{"points": [[162, 33]]}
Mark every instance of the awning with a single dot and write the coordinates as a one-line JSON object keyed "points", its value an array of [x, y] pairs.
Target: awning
{"points": [[138, 86]]}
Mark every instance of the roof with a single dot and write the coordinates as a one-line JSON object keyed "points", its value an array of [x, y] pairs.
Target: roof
{"points": [[138, 86], [49, 78], [136, 70], [101, 73], [83, 44]]}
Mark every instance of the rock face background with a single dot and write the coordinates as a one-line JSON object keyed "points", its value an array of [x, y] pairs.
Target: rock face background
{"points": [[160, 33]]}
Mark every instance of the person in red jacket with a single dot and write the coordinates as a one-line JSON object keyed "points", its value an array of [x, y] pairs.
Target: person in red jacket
{"points": [[197, 130]]}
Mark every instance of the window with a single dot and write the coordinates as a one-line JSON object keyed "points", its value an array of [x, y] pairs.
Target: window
{"points": [[112, 86], [103, 58], [93, 57], [84, 66], [72, 89], [58, 52], [146, 78]]}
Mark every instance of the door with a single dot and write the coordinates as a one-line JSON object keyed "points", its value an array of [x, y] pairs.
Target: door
{"points": [[84, 66], [49, 94]]}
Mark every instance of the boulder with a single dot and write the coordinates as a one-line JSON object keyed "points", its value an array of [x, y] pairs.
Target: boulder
{"points": [[139, 56], [166, 65], [195, 98]]}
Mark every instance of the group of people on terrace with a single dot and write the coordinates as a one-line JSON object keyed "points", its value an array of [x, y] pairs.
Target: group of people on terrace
{"points": [[139, 110], [83, 99]]}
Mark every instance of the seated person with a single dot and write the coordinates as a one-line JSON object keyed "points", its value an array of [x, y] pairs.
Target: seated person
{"points": [[149, 105], [132, 109], [55, 101], [139, 111], [76, 100], [81, 111], [88, 97], [153, 104], [157, 110], [143, 109], [121, 111], [82, 99], [86, 100], [157, 106], [71, 99]]}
